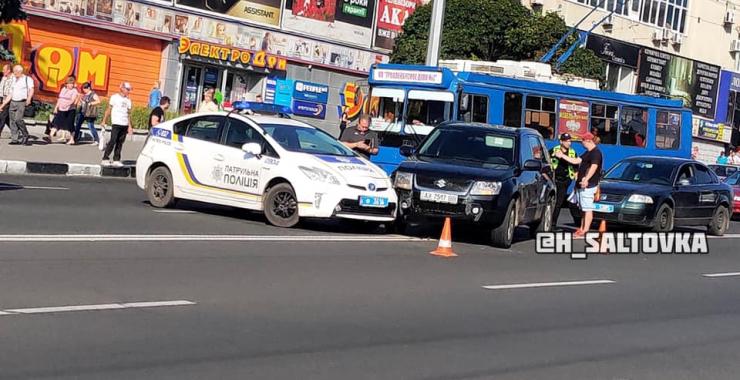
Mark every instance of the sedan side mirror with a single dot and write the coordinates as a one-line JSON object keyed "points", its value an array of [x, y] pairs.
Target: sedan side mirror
{"points": [[252, 148], [407, 151], [533, 165], [684, 182]]}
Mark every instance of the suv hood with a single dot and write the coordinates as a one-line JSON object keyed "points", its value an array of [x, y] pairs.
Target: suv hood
{"points": [[618, 187], [437, 168]]}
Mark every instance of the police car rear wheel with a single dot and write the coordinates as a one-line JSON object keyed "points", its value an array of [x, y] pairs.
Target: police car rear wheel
{"points": [[720, 221], [503, 235], [160, 190], [281, 206], [664, 219]]}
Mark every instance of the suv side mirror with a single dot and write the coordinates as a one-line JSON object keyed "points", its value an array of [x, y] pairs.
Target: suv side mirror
{"points": [[684, 182], [533, 165], [252, 148], [407, 151]]}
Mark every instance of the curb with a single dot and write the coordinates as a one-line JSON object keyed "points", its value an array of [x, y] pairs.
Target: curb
{"points": [[68, 169]]}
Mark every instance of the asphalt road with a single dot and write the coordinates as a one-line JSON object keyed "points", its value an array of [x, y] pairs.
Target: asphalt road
{"points": [[326, 301]]}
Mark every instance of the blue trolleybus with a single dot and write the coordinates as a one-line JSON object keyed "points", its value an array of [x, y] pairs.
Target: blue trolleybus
{"points": [[407, 102]]}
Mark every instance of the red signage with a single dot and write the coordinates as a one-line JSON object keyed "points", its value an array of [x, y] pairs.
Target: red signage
{"points": [[392, 14], [573, 118]]}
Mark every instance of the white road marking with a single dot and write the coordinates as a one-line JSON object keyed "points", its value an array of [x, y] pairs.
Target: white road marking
{"points": [[547, 284], [174, 211], [725, 236], [98, 307], [21, 187], [135, 238], [727, 274]]}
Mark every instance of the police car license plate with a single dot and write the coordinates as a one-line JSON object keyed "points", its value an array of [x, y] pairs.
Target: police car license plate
{"points": [[600, 207], [438, 197], [366, 201]]}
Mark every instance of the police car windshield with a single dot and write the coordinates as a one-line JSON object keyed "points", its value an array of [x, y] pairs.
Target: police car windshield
{"points": [[475, 146], [306, 140], [659, 173]]}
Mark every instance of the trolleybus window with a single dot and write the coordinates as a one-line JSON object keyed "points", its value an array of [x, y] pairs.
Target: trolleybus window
{"points": [[385, 108], [604, 122], [474, 108], [634, 127], [513, 109], [540, 115], [427, 109], [667, 130]]}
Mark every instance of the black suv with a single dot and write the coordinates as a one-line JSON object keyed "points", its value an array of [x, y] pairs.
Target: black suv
{"points": [[496, 176]]}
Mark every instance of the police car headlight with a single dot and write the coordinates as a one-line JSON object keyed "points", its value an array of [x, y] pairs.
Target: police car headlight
{"points": [[319, 175], [404, 181], [486, 188], [639, 198]]}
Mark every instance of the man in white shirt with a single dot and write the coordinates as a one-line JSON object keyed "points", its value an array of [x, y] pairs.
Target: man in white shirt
{"points": [[119, 111], [21, 94], [5, 87]]}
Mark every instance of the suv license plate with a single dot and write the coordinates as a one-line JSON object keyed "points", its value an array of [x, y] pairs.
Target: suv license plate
{"points": [[438, 197], [380, 202], [600, 207]]}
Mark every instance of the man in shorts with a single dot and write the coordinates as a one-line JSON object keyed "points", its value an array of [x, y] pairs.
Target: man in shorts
{"points": [[587, 181]]}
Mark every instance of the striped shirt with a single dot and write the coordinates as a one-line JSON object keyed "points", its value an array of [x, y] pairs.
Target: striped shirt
{"points": [[6, 85]]}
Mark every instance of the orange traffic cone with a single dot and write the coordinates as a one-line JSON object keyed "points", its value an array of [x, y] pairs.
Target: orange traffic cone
{"points": [[444, 248], [602, 229]]}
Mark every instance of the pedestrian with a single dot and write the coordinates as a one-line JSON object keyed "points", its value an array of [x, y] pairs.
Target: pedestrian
{"points": [[722, 159], [360, 139], [157, 116], [208, 105], [734, 158], [64, 112], [695, 153], [21, 95], [587, 181], [155, 96], [87, 111], [258, 98], [119, 111], [565, 172], [343, 121], [5, 87]]}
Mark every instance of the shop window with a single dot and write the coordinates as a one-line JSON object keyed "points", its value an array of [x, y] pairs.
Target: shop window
{"points": [[239, 133], [604, 125], [513, 109], [540, 115], [668, 130], [477, 109], [633, 126], [206, 129], [619, 78]]}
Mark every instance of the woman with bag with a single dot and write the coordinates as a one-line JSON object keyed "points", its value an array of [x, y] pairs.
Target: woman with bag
{"points": [[64, 112], [87, 105]]}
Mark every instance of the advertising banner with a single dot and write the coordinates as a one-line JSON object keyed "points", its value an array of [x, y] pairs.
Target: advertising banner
{"points": [[348, 21], [284, 92], [613, 51], [260, 11], [311, 92], [392, 14], [665, 75], [573, 118], [708, 130], [308, 109]]}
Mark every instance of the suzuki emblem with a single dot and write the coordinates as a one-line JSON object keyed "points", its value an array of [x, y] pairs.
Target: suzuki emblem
{"points": [[441, 183]]}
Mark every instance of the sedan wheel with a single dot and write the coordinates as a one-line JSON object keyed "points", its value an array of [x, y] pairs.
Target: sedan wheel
{"points": [[720, 221], [664, 219]]}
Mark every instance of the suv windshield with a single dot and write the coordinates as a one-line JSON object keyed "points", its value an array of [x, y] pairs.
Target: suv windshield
{"points": [[659, 173], [469, 145], [306, 140]]}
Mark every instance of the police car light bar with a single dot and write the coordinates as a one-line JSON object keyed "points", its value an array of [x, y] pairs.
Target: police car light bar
{"points": [[263, 108]]}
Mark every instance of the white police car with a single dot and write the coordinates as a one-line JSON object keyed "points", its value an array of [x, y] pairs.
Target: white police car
{"points": [[284, 167]]}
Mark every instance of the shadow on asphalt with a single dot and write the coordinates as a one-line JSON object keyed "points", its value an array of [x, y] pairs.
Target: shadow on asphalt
{"points": [[10, 186]]}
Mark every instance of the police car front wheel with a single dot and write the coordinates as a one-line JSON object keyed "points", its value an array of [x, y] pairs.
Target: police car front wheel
{"points": [[159, 188], [281, 206]]}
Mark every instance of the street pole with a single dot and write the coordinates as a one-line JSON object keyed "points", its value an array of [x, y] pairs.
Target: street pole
{"points": [[435, 32]]}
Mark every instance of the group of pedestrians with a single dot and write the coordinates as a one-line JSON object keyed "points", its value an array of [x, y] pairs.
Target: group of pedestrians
{"points": [[729, 159]]}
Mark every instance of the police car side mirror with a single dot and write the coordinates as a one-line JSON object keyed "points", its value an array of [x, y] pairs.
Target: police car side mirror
{"points": [[533, 165], [252, 148], [406, 150]]}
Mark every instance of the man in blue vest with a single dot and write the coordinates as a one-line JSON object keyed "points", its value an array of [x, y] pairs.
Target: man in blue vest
{"points": [[565, 172]]}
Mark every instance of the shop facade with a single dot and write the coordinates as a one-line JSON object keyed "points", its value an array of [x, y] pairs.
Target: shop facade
{"points": [[621, 60]]}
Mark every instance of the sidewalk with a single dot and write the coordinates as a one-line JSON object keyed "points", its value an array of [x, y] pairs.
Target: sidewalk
{"points": [[59, 158]]}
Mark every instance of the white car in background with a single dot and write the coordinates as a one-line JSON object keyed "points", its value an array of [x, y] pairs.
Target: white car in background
{"points": [[286, 168]]}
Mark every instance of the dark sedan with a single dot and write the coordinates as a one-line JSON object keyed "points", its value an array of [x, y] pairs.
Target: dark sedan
{"points": [[734, 181], [662, 193]]}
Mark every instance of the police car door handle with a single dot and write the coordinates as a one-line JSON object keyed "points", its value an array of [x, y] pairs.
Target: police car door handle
{"points": [[218, 157], [179, 147]]}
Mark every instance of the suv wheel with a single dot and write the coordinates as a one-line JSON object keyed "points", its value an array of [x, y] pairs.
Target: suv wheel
{"points": [[720, 221], [503, 235], [281, 206], [664, 219], [159, 188], [545, 224]]}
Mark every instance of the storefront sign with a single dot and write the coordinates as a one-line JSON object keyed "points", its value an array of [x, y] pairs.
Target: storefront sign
{"points": [[613, 51], [341, 20], [308, 109], [573, 118], [708, 130], [392, 14], [258, 59], [410, 76], [664, 75], [52, 65], [270, 88], [351, 100], [261, 11], [284, 92], [311, 92]]}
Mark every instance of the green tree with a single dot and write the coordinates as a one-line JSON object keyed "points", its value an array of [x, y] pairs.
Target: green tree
{"points": [[10, 10], [490, 30]]}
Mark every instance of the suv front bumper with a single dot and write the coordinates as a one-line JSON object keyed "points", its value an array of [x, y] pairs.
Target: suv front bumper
{"points": [[484, 209]]}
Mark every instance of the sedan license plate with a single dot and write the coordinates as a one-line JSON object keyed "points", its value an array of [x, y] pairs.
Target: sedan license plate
{"points": [[438, 197], [600, 207], [380, 202]]}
